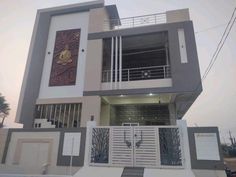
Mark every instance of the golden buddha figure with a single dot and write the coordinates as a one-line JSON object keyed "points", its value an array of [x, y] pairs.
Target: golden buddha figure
{"points": [[65, 56]]}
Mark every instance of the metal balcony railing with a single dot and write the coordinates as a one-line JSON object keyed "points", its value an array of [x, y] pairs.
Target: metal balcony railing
{"points": [[142, 73], [136, 21]]}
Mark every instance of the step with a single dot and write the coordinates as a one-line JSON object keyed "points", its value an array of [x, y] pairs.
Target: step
{"points": [[133, 172]]}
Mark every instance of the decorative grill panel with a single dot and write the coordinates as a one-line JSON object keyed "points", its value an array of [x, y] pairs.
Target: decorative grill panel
{"points": [[170, 147], [100, 145]]}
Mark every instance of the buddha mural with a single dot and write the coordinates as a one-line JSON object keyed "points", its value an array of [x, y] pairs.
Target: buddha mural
{"points": [[65, 56]]}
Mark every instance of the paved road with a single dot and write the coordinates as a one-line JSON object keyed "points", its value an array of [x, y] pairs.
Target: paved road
{"points": [[231, 163]]}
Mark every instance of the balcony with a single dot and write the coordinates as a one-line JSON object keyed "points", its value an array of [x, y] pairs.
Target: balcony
{"points": [[136, 58]]}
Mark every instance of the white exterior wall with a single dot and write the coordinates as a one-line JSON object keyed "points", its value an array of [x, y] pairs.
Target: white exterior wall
{"points": [[58, 23]]}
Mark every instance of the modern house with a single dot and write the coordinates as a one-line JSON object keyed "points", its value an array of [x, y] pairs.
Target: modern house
{"points": [[104, 96]]}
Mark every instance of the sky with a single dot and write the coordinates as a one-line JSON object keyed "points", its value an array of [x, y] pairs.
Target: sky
{"points": [[216, 106]]}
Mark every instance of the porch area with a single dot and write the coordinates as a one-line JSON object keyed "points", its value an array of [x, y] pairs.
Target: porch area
{"points": [[138, 110]]}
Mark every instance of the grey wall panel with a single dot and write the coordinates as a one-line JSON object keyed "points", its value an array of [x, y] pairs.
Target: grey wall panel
{"points": [[33, 72], [77, 160], [204, 164]]}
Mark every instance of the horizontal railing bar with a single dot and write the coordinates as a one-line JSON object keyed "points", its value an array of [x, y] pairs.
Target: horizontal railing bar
{"points": [[148, 51], [141, 68], [129, 74], [156, 14]]}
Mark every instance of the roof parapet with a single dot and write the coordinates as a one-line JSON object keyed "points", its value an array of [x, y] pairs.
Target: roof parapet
{"points": [[180, 15]]}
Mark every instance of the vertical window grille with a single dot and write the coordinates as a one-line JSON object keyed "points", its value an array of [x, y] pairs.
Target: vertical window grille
{"points": [[60, 115]]}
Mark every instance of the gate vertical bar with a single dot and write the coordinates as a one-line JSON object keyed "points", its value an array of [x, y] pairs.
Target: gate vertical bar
{"points": [[158, 147], [110, 146]]}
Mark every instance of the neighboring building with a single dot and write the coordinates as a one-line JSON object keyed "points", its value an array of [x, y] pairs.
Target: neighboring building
{"points": [[129, 81]]}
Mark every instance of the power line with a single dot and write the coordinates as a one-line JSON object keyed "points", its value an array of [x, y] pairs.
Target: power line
{"points": [[216, 55], [220, 45], [213, 27], [217, 51]]}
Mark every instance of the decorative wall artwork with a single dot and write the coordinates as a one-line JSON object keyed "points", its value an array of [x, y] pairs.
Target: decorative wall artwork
{"points": [[65, 56]]}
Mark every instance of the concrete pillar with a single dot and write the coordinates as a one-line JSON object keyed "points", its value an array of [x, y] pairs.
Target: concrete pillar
{"points": [[182, 124], [172, 111], [93, 68], [91, 106], [105, 115]]}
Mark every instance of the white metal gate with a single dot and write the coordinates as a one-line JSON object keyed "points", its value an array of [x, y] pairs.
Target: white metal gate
{"points": [[139, 146]]}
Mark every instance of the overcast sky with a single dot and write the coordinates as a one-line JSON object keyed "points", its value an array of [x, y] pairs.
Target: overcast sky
{"points": [[216, 106]]}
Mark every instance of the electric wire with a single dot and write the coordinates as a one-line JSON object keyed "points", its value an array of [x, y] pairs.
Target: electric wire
{"points": [[210, 28], [223, 38]]}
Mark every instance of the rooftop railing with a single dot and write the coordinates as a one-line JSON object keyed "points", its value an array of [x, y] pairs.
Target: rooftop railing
{"points": [[136, 21]]}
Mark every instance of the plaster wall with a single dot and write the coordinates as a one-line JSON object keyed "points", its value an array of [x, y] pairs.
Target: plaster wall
{"points": [[97, 17]]}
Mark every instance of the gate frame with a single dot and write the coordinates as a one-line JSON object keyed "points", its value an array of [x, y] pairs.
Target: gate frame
{"points": [[159, 166]]}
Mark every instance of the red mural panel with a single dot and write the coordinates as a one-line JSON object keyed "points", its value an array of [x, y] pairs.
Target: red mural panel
{"points": [[65, 56]]}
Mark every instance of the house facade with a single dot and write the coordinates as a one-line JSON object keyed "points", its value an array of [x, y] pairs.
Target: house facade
{"points": [[104, 96]]}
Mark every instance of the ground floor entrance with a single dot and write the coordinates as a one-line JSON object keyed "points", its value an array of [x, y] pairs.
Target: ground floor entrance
{"points": [[137, 110], [143, 114]]}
